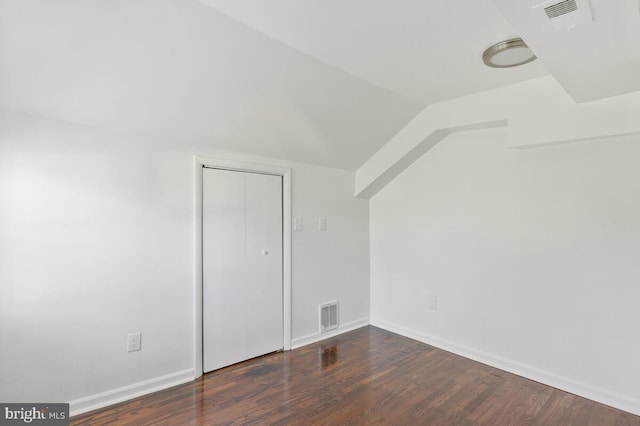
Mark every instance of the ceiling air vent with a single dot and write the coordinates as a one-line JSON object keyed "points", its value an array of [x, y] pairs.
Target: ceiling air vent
{"points": [[559, 9], [558, 16]]}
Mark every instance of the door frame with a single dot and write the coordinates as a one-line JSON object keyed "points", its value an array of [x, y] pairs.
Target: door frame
{"points": [[243, 166]]}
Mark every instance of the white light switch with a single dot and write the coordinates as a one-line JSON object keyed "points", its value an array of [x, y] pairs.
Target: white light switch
{"points": [[432, 302], [297, 224], [322, 224], [134, 342]]}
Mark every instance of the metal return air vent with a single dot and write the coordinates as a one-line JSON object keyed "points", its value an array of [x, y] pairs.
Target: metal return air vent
{"points": [[328, 316]]}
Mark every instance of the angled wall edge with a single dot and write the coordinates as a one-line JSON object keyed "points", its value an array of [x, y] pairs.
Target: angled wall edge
{"points": [[537, 113]]}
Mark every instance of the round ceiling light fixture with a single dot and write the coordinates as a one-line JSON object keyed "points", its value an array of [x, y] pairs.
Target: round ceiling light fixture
{"points": [[508, 53]]}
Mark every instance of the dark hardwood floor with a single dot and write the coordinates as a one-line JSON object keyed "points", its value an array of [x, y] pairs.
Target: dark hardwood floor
{"points": [[367, 376]]}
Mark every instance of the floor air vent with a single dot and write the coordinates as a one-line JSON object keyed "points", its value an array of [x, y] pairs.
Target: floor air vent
{"points": [[328, 316]]}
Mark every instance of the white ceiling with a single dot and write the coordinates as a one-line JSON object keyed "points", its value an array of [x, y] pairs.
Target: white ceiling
{"points": [[426, 50], [596, 59], [323, 82]]}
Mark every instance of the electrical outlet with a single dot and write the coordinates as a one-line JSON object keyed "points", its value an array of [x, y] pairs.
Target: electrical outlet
{"points": [[297, 224], [134, 342], [432, 302], [322, 224]]}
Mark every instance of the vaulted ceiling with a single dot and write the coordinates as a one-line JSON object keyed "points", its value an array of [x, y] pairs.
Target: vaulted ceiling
{"points": [[325, 82]]}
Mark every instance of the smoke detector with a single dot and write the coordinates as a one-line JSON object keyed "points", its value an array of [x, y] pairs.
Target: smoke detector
{"points": [[562, 15]]}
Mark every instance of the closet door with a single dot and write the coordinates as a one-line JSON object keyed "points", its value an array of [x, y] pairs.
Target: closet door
{"points": [[264, 264], [223, 296], [242, 266]]}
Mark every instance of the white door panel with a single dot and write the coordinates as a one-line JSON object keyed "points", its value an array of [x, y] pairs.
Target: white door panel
{"points": [[223, 268], [264, 264], [242, 266]]}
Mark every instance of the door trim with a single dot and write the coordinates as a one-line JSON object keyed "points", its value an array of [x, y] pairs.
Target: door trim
{"points": [[219, 163]]}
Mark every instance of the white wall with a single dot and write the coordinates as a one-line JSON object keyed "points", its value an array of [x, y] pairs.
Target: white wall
{"points": [[333, 264], [96, 241], [533, 255]]}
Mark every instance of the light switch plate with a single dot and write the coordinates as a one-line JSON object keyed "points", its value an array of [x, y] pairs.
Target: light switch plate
{"points": [[134, 342], [432, 302]]}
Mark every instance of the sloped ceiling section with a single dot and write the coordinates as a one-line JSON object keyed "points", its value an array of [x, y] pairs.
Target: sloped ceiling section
{"points": [[597, 58], [429, 51], [325, 82], [180, 70]]}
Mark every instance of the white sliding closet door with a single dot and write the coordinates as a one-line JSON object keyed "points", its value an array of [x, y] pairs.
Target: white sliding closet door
{"points": [[242, 266]]}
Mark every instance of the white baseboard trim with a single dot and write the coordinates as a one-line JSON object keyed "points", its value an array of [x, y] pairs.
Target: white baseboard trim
{"points": [[114, 396], [568, 385], [316, 337]]}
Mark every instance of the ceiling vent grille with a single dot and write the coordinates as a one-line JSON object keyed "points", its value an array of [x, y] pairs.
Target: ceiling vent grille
{"points": [[560, 9], [559, 16]]}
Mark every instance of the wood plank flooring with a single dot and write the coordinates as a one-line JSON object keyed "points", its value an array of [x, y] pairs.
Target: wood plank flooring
{"points": [[367, 376]]}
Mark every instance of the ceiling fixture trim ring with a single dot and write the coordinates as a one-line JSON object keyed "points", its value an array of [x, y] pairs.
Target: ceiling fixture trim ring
{"points": [[514, 43]]}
